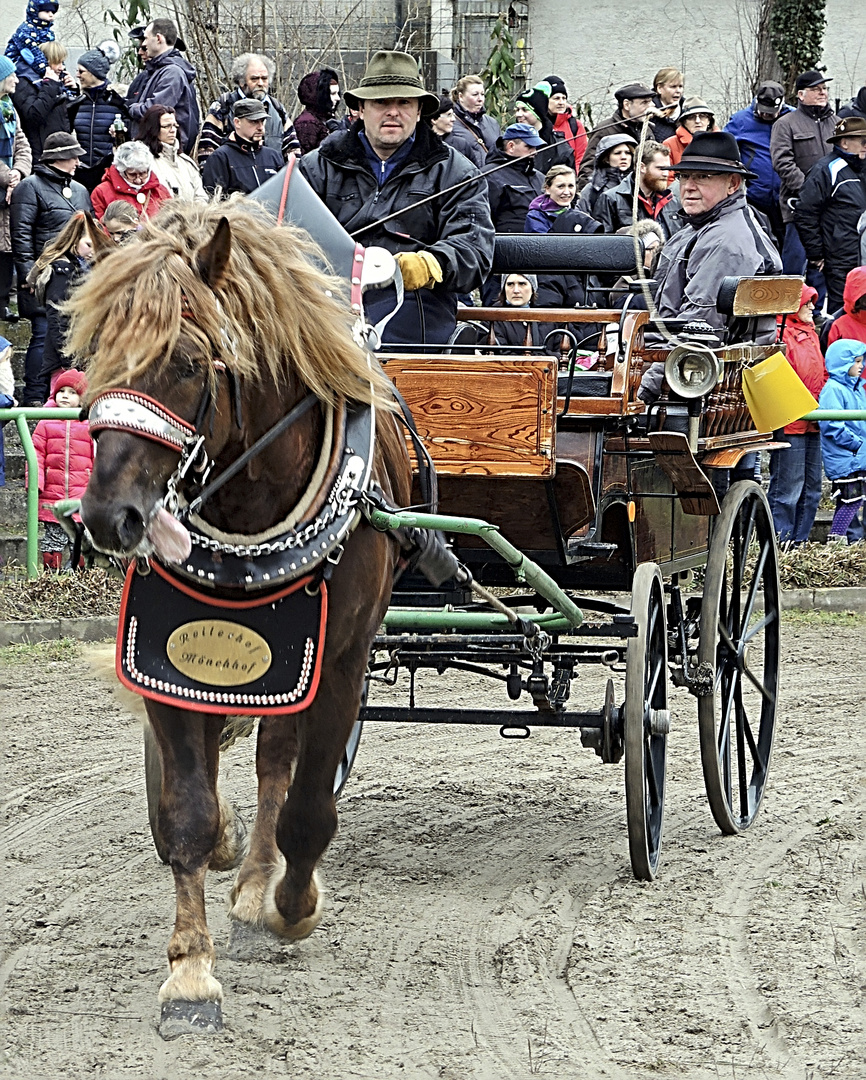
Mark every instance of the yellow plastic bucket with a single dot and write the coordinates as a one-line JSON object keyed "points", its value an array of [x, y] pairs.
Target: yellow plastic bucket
{"points": [[775, 393]]}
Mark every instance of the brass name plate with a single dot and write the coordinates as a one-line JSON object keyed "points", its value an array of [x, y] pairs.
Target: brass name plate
{"points": [[219, 652]]}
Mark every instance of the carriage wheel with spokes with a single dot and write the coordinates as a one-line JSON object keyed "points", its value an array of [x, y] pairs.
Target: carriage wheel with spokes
{"points": [[740, 644], [646, 721]]}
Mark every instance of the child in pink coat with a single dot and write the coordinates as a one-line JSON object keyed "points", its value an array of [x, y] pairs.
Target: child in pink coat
{"points": [[64, 452]]}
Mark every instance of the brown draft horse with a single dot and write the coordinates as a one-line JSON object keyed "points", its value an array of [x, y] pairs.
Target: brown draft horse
{"points": [[199, 288]]}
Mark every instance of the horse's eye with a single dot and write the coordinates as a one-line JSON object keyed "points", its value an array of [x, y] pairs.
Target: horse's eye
{"points": [[188, 369]]}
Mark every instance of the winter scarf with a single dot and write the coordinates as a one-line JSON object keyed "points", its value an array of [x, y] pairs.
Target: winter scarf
{"points": [[7, 130]]}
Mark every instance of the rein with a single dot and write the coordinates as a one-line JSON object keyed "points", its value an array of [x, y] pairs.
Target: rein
{"points": [[303, 406]]}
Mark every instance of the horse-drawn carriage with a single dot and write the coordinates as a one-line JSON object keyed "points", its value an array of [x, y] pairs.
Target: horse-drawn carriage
{"points": [[603, 494], [247, 454]]}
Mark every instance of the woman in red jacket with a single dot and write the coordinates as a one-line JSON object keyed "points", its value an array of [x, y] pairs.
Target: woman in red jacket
{"points": [[132, 179], [852, 322], [64, 453], [795, 473]]}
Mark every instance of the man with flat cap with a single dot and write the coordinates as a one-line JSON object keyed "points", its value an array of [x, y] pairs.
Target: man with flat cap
{"points": [[633, 103], [243, 162], [721, 237], [799, 139], [389, 162]]}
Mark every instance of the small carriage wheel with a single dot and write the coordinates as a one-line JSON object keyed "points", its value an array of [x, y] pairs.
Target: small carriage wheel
{"points": [[351, 750], [153, 788], [740, 646], [646, 720]]}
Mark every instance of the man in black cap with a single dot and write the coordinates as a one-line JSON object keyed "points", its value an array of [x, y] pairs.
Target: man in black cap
{"points": [[831, 203], [243, 162], [752, 127], [43, 203], [633, 102], [388, 163], [721, 237], [798, 140], [100, 112]]}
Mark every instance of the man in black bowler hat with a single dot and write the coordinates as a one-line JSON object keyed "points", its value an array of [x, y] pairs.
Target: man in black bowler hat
{"points": [[721, 237]]}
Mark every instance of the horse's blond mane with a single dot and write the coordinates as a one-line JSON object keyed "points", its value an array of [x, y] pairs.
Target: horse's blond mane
{"points": [[275, 308]]}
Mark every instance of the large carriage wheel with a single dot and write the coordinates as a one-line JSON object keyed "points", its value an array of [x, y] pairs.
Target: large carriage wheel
{"points": [[740, 645], [646, 721]]}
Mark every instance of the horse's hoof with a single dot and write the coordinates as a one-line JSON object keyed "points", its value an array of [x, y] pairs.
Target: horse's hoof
{"points": [[190, 1018], [277, 923], [245, 902]]}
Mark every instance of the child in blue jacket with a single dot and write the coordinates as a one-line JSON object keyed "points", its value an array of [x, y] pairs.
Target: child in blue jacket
{"points": [[843, 442], [23, 48]]}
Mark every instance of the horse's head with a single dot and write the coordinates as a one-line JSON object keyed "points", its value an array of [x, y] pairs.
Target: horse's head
{"points": [[209, 305], [158, 430]]}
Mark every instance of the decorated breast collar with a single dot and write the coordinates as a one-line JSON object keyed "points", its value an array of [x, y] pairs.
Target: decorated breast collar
{"points": [[278, 557]]}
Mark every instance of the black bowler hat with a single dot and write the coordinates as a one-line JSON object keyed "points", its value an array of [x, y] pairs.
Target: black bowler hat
{"points": [[713, 152], [811, 78]]}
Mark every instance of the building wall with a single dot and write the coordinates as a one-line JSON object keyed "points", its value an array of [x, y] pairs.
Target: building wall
{"points": [[615, 42]]}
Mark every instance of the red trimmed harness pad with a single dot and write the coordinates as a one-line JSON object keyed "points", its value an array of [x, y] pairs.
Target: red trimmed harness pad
{"points": [[254, 656]]}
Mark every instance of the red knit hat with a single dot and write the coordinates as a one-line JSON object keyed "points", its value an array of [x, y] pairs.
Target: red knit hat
{"points": [[72, 378]]}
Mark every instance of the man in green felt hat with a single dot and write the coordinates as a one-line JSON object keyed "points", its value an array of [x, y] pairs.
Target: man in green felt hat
{"points": [[387, 163]]}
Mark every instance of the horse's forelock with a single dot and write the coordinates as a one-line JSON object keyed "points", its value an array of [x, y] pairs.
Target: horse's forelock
{"points": [[280, 312]]}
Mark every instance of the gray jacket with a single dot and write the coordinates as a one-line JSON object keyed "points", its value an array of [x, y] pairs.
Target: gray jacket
{"points": [[796, 143], [727, 240]]}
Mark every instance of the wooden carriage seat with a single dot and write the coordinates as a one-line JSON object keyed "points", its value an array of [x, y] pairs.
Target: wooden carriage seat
{"points": [[489, 424]]}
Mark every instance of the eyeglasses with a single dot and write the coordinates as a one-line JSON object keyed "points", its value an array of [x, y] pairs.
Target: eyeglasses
{"points": [[168, 126], [137, 174], [698, 177]]}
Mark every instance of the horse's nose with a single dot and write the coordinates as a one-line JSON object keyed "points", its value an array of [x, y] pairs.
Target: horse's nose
{"points": [[113, 528], [129, 526]]}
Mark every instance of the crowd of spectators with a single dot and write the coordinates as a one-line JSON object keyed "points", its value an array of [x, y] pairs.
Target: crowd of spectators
{"points": [[775, 187]]}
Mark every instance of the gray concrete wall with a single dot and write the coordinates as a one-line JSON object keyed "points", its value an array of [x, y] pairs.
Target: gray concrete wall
{"points": [[599, 46]]}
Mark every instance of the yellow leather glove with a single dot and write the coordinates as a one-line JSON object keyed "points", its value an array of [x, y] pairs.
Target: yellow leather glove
{"points": [[420, 269]]}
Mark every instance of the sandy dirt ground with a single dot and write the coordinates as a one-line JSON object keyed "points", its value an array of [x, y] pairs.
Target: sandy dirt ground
{"points": [[481, 920]]}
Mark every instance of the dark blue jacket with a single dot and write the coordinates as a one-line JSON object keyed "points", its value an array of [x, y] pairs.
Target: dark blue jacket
{"points": [[99, 108], [753, 139], [237, 165]]}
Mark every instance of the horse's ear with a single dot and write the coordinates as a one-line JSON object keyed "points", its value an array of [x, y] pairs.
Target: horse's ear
{"points": [[213, 258]]}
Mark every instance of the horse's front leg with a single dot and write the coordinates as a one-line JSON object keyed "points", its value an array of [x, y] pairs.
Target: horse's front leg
{"points": [[190, 822], [308, 818], [276, 751]]}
